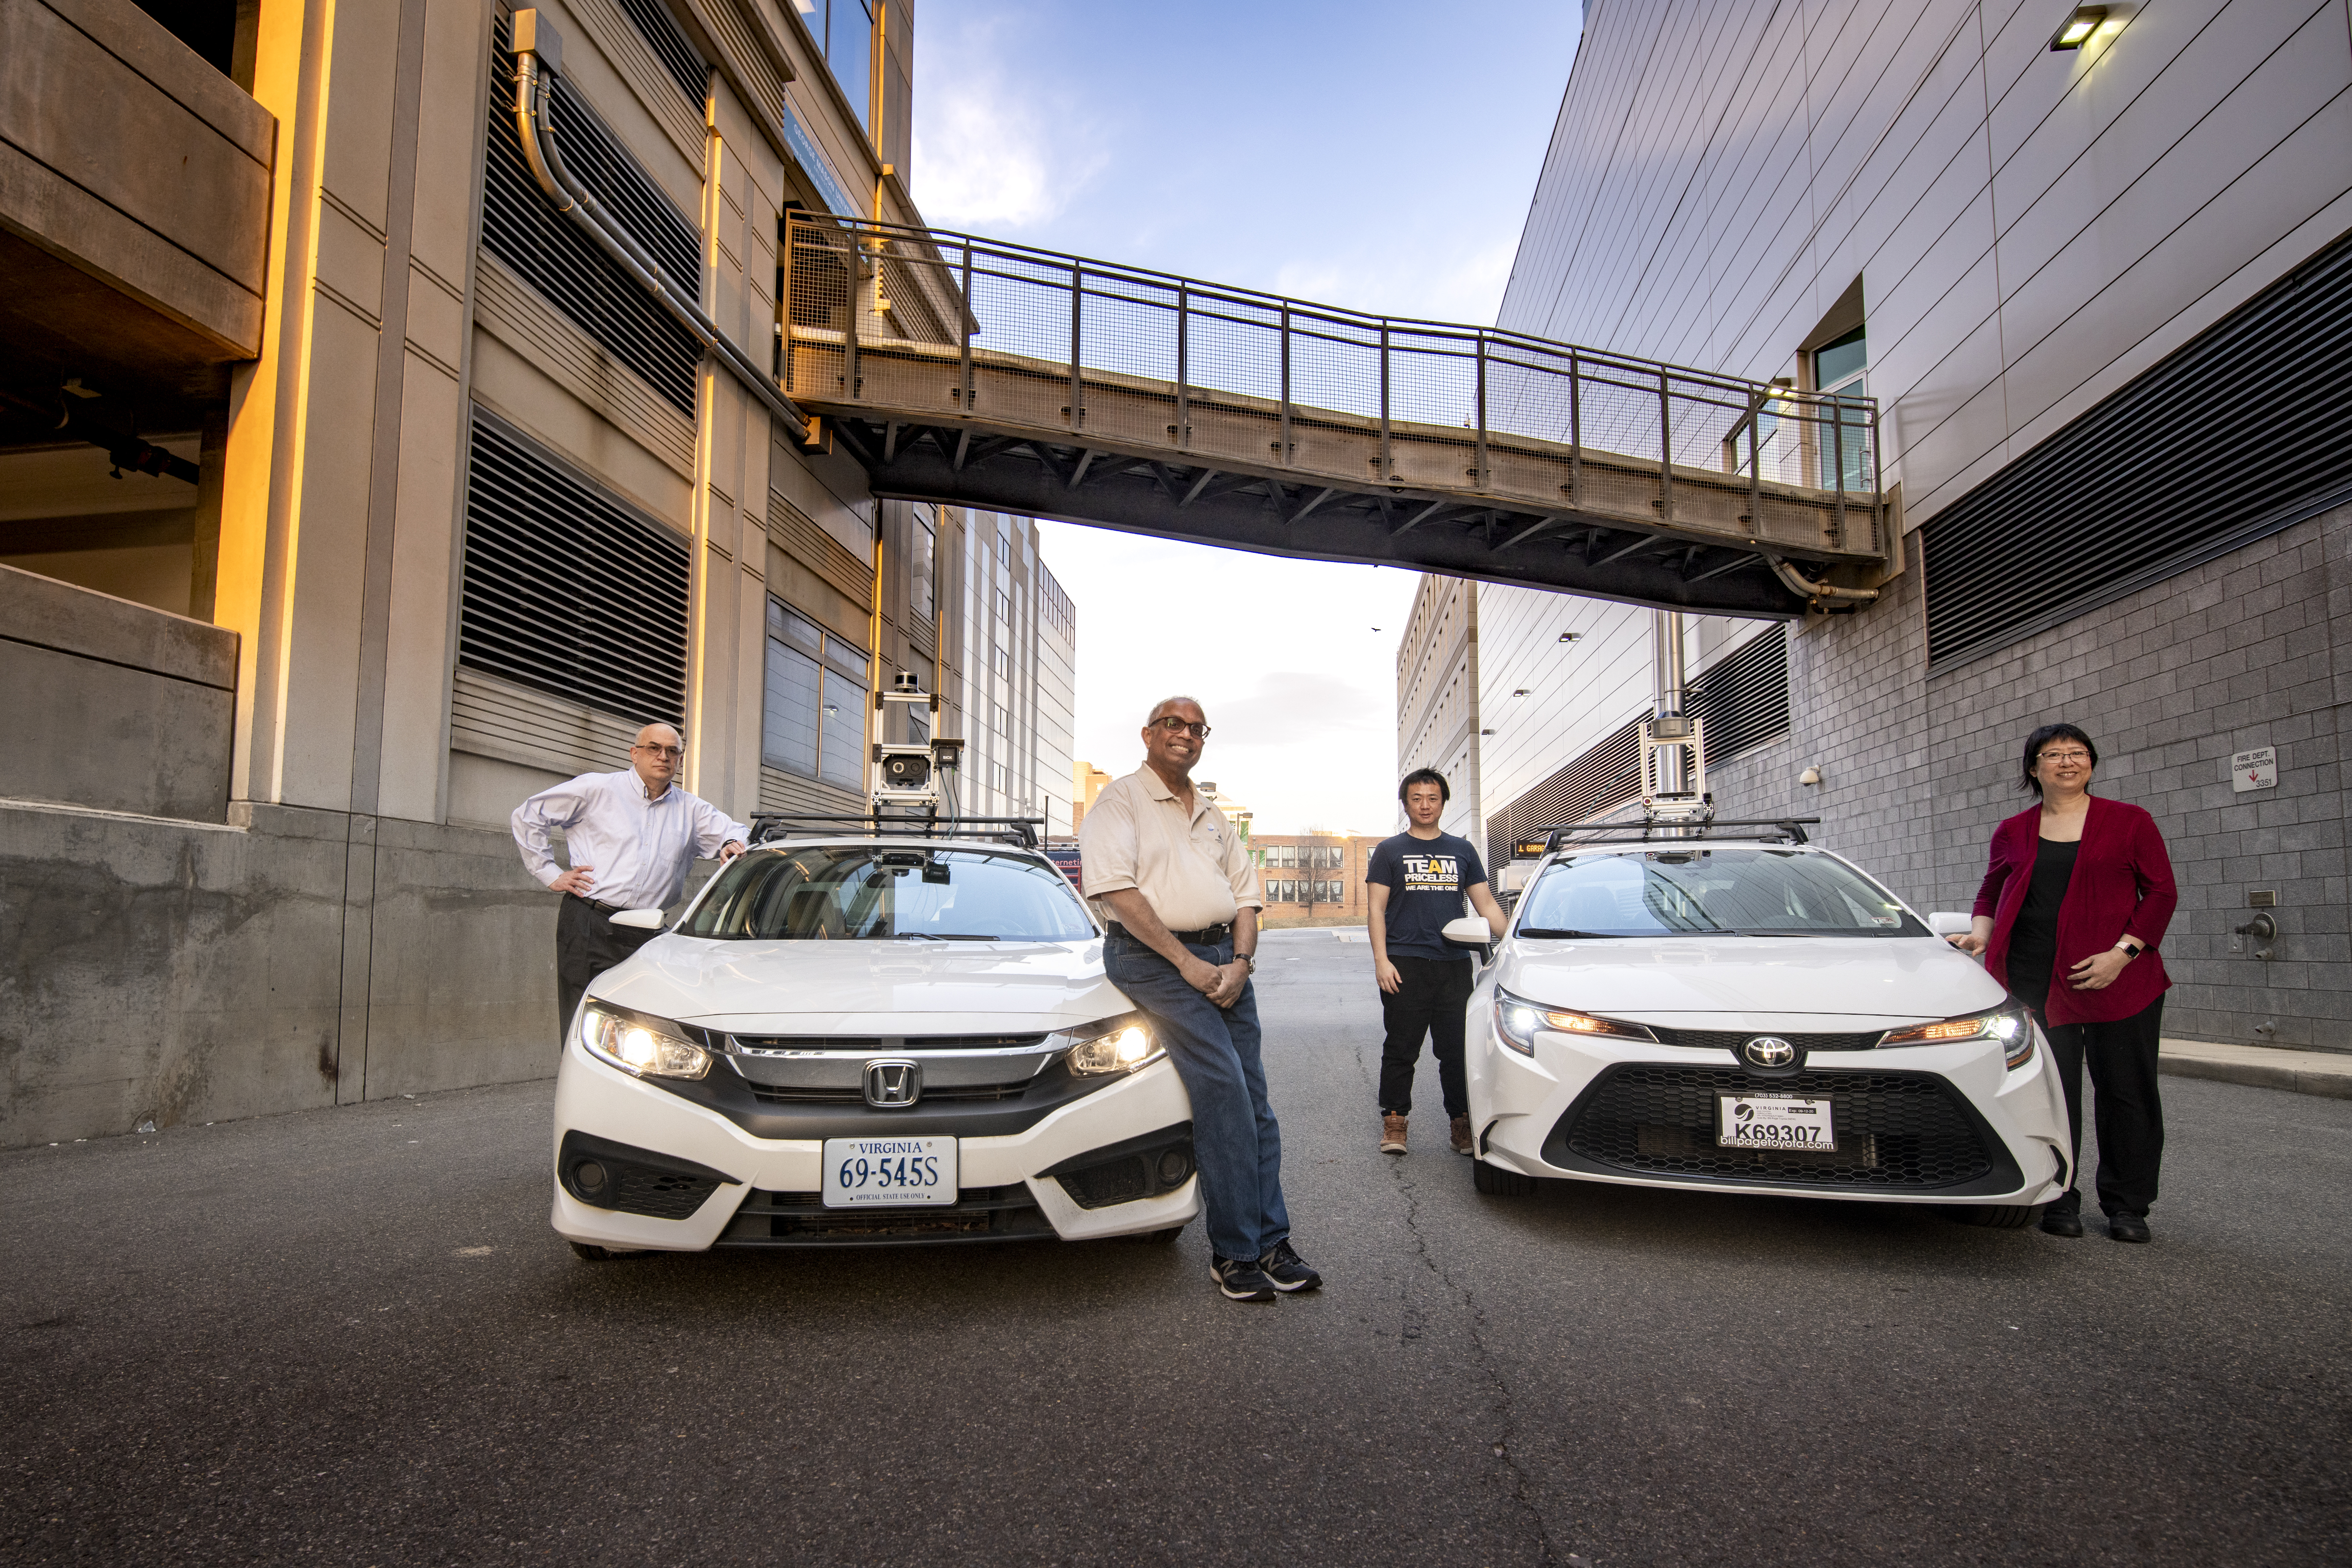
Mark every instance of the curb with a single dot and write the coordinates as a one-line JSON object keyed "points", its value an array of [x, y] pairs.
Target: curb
{"points": [[2260, 1075]]}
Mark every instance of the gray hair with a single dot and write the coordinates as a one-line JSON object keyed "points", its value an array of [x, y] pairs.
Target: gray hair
{"points": [[1165, 703]]}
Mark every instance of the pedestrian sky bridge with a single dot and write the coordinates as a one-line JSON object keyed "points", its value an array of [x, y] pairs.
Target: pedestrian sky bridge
{"points": [[979, 374]]}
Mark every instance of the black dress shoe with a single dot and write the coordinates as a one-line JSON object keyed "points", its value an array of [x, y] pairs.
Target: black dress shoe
{"points": [[2127, 1227], [2062, 1222]]}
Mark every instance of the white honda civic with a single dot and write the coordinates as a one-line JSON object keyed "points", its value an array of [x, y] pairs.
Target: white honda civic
{"points": [[849, 1041], [1755, 1016]]}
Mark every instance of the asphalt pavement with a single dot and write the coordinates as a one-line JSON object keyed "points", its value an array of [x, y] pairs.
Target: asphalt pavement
{"points": [[349, 1337]]}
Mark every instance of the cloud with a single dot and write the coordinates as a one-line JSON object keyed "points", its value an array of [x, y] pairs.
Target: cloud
{"points": [[983, 156]]}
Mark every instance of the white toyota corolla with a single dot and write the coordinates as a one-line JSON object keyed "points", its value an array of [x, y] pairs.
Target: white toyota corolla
{"points": [[848, 1041], [1752, 1017]]}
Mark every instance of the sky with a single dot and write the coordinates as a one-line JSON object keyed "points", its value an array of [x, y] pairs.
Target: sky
{"points": [[1356, 154]]}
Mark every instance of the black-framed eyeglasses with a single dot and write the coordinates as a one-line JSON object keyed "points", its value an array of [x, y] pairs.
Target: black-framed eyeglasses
{"points": [[673, 753], [1176, 726], [2065, 757]]}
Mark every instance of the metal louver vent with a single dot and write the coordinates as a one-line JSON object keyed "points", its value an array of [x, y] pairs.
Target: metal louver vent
{"points": [[681, 59], [562, 263], [568, 591], [1744, 696], [2242, 431], [1602, 779]]}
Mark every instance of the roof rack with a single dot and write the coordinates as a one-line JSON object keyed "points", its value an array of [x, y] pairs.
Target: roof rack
{"points": [[1778, 830], [1021, 832]]}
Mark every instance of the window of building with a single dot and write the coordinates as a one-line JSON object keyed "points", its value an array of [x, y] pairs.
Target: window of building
{"points": [[1843, 368], [999, 720], [843, 29], [1004, 607], [814, 717], [922, 571], [1002, 657]]}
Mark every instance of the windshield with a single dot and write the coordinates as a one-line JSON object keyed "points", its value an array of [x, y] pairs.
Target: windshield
{"points": [[1698, 892], [864, 891]]}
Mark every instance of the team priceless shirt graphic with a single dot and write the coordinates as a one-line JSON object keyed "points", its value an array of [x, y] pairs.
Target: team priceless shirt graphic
{"points": [[1431, 873]]}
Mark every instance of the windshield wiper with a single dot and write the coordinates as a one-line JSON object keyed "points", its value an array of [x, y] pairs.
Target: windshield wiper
{"points": [[947, 936], [1776, 931], [1561, 931]]}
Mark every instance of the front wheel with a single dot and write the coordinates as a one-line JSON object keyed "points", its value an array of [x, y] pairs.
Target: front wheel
{"points": [[1501, 1183], [1998, 1217]]}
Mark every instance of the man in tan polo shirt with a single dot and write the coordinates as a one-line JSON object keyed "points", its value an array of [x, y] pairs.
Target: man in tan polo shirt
{"points": [[1170, 876]]}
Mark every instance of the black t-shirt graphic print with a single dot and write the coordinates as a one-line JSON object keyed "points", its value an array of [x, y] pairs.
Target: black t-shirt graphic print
{"points": [[1427, 879]]}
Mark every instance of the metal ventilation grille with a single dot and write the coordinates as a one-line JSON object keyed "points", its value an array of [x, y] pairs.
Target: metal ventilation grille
{"points": [[1744, 697], [1600, 780], [564, 265], [681, 59], [567, 591], [2242, 431]]}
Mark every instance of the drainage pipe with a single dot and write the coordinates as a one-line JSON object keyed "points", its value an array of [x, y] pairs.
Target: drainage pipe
{"points": [[538, 53], [1819, 592]]}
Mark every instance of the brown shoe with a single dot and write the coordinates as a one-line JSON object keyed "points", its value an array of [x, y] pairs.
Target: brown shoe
{"points": [[1392, 1135], [1460, 1130]]}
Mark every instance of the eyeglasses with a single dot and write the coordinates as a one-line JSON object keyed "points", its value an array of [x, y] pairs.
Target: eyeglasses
{"points": [[1175, 726], [673, 753], [2066, 756]]}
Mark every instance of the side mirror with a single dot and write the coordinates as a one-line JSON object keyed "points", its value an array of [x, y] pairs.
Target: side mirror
{"points": [[1471, 931], [643, 920], [1949, 924]]}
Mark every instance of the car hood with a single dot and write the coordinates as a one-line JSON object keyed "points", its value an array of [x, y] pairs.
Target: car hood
{"points": [[1885, 980], [865, 987]]}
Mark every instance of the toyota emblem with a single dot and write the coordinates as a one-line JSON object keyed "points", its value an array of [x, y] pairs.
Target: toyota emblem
{"points": [[1769, 1051], [893, 1084]]}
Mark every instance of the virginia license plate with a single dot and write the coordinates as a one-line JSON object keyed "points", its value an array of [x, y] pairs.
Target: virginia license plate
{"points": [[1757, 1121], [889, 1173]]}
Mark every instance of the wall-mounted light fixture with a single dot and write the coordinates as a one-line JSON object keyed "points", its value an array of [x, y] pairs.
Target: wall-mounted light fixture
{"points": [[1570, 637], [1522, 691], [1810, 776], [1486, 731], [2077, 29]]}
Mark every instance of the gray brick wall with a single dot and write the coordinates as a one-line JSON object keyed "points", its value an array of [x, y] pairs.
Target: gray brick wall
{"points": [[2241, 652]]}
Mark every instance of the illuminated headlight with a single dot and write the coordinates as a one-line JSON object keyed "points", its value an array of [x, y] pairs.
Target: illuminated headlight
{"points": [[1122, 1048], [2011, 1025], [1517, 1019], [639, 1045]]}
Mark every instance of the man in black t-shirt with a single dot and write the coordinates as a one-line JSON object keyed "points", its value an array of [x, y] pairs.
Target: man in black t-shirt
{"points": [[1417, 883]]}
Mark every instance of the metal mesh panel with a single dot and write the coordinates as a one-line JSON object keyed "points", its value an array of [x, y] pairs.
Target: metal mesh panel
{"points": [[2122, 496], [1604, 778], [520, 229], [567, 591]]}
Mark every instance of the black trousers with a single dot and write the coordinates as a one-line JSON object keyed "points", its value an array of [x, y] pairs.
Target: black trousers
{"points": [[1429, 1003], [587, 943], [2130, 1110]]}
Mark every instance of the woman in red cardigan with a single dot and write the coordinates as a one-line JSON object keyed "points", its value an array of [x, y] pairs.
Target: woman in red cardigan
{"points": [[2069, 918]]}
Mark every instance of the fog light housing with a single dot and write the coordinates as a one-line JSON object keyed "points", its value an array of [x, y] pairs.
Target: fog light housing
{"points": [[589, 1177], [1175, 1166]]}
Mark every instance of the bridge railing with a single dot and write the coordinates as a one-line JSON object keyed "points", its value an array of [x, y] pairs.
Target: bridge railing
{"points": [[1279, 375]]}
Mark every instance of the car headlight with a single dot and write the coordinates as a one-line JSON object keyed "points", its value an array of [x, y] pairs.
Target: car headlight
{"points": [[1120, 1046], [1517, 1019], [640, 1046], [2011, 1026]]}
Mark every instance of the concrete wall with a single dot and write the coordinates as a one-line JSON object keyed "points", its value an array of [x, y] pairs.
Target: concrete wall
{"points": [[110, 704]]}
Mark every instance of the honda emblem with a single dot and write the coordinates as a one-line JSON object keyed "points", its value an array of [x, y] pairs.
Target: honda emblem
{"points": [[893, 1084]]}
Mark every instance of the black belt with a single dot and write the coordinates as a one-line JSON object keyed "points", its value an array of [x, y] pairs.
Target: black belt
{"points": [[1207, 936], [600, 909]]}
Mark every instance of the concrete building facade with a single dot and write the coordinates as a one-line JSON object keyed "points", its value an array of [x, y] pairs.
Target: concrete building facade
{"points": [[348, 495], [1017, 683], [2102, 298]]}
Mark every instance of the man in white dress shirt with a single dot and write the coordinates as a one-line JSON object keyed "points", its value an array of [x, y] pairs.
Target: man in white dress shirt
{"points": [[631, 836]]}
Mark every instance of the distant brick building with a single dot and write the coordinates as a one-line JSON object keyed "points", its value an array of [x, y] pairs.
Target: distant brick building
{"points": [[1313, 874]]}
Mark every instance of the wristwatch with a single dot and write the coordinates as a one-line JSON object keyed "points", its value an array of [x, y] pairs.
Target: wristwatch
{"points": [[2130, 948], [1248, 958]]}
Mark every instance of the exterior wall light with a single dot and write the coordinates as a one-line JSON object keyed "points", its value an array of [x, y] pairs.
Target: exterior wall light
{"points": [[2078, 27], [1570, 637], [1810, 776], [1486, 731], [1522, 691]]}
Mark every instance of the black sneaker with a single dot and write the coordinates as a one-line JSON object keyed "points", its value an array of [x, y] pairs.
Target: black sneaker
{"points": [[1239, 1279], [1287, 1270]]}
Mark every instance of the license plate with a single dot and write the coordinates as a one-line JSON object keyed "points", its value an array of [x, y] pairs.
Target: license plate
{"points": [[1756, 1121], [889, 1173]]}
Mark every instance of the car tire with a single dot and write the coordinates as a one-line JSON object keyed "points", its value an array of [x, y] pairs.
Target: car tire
{"points": [[1999, 1216], [589, 1253], [1494, 1179]]}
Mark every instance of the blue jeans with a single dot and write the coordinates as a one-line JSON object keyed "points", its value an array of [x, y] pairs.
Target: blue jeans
{"points": [[1236, 1141]]}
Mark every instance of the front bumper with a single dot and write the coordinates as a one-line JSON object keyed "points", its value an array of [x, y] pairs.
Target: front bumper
{"points": [[699, 1178], [1935, 1124]]}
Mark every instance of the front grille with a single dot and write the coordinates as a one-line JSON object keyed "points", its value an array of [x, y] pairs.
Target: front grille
{"points": [[886, 1044], [979, 1214], [1901, 1131], [775, 1094], [1732, 1040], [660, 1194]]}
